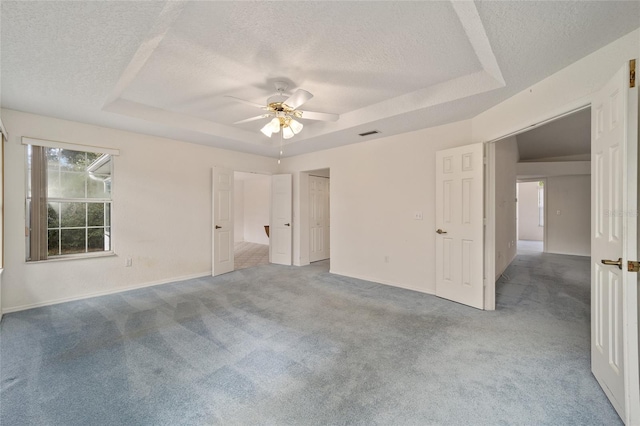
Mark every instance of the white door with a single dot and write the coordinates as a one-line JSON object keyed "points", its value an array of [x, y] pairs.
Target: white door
{"points": [[281, 215], [319, 218], [222, 227], [614, 290], [459, 225]]}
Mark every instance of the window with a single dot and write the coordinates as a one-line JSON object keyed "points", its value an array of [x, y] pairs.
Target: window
{"points": [[540, 203], [68, 202]]}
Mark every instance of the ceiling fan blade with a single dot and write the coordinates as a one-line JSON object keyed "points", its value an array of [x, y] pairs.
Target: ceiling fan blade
{"points": [[322, 116], [298, 98], [253, 104], [259, 117]]}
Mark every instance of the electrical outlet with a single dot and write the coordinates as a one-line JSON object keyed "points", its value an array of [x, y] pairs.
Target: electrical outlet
{"points": [[417, 215], [386, 259], [128, 262]]}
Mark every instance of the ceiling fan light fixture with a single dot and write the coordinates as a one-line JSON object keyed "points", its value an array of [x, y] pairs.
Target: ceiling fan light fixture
{"points": [[283, 111], [266, 130], [287, 133], [275, 125], [296, 126]]}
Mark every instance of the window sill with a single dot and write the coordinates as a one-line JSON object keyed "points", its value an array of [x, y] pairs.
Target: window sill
{"points": [[74, 257]]}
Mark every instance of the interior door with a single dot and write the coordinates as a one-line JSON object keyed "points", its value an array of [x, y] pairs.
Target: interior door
{"points": [[614, 290], [280, 249], [319, 218], [222, 226], [459, 225]]}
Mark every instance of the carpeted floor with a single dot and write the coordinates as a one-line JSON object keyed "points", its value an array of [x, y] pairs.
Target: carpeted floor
{"points": [[298, 346]]}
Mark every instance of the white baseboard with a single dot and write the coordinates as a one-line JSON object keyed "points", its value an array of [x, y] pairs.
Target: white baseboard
{"points": [[104, 293], [377, 281], [506, 266]]}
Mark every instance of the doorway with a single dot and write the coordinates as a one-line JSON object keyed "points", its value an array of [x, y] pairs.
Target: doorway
{"points": [[252, 197], [530, 216], [543, 186]]}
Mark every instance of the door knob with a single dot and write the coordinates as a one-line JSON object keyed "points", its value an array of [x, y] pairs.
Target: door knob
{"points": [[218, 227], [287, 224], [440, 231], [617, 263]]}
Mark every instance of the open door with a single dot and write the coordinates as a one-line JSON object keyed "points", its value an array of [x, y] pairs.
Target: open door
{"points": [[614, 206], [280, 247], [459, 223], [222, 226]]}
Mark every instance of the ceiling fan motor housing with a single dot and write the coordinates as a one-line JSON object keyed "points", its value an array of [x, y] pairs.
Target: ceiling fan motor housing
{"points": [[276, 101]]}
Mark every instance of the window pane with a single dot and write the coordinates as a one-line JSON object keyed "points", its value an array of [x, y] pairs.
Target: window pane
{"points": [[53, 243], [72, 185], [73, 214], [107, 213], [72, 241], [54, 188], [67, 159], [96, 241], [95, 214], [53, 220], [98, 186], [107, 238]]}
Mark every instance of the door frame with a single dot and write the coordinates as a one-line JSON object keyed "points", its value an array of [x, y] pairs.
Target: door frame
{"points": [[233, 169], [490, 200]]}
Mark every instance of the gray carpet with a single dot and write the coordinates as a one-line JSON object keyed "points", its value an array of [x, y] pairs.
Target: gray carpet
{"points": [[296, 346]]}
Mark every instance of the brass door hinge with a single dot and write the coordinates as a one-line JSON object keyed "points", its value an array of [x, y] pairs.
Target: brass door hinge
{"points": [[632, 73], [633, 266]]}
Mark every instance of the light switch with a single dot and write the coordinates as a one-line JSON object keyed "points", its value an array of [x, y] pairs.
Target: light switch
{"points": [[558, 212]]}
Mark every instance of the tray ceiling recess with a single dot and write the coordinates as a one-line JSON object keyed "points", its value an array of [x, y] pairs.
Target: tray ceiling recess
{"points": [[188, 68]]}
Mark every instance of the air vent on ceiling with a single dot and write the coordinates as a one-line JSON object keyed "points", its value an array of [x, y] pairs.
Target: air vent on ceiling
{"points": [[371, 132]]}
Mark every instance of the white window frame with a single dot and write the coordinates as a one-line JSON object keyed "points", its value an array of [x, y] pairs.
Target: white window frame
{"points": [[74, 147]]}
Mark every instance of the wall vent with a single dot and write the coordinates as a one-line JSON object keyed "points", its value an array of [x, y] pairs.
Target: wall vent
{"points": [[371, 132]]}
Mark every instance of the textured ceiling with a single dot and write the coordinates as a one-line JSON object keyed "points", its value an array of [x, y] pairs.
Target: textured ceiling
{"points": [[163, 68], [568, 137]]}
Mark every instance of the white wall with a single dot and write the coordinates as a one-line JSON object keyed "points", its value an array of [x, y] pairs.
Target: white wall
{"points": [[559, 93], [570, 231], [257, 199], [161, 212], [506, 160], [528, 214], [376, 187], [238, 210]]}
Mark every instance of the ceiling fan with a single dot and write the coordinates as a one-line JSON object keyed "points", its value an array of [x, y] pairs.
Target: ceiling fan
{"points": [[283, 111]]}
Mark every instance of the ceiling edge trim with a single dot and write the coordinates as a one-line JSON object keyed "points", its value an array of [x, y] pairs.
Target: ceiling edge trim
{"points": [[473, 27], [166, 18]]}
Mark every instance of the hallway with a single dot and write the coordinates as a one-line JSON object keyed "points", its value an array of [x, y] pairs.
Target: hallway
{"points": [[557, 284]]}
